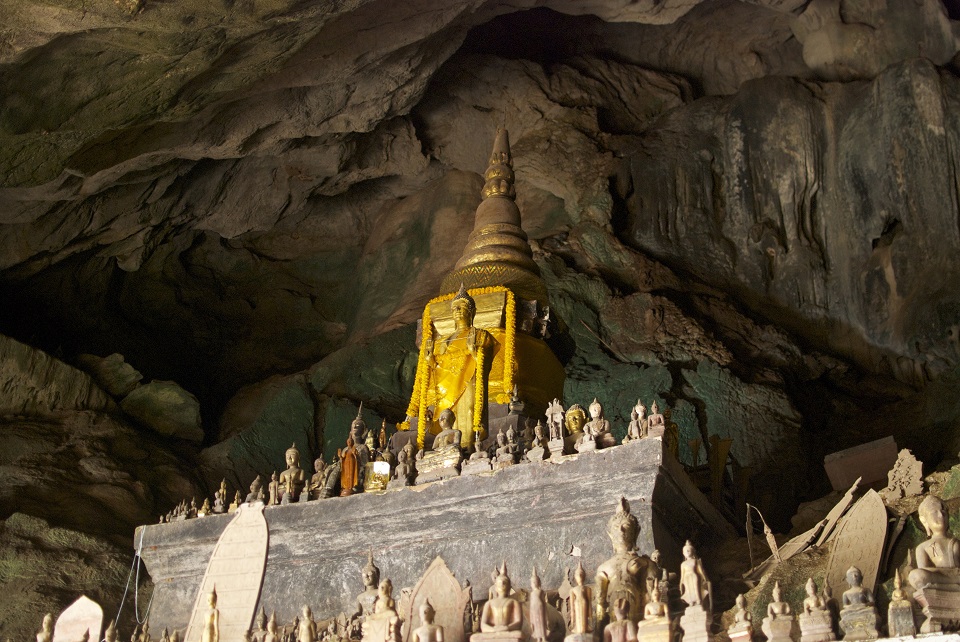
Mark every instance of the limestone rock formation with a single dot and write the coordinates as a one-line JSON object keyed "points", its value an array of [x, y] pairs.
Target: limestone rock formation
{"points": [[167, 408]]}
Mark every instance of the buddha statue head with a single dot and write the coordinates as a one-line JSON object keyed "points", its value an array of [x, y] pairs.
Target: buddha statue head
{"points": [[370, 573], [464, 308], [502, 583], [575, 419], [596, 410], [427, 612], [811, 587], [446, 419], [358, 428], [640, 410], [623, 529], [307, 613], [654, 408], [689, 552], [854, 577], [319, 464], [212, 598], [933, 516], [580, 575], [655, 592], [777, 592], [292, 456], [534, 579]]}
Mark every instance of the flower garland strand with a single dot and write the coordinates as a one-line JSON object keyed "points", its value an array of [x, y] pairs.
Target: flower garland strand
{"points": [[427, 327], [509, 358], [478, 397]]}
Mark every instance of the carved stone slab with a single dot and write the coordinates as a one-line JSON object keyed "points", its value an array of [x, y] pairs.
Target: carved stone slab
{"points": [[448, 598], [859, 542], [236, 570], [81, 616]]}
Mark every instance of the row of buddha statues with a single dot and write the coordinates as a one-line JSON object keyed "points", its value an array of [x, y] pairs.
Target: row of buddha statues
{"points": [[367, 463], [633, 598]]}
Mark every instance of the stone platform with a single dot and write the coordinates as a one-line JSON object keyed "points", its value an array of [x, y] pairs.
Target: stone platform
{"points": [[528, 514]]}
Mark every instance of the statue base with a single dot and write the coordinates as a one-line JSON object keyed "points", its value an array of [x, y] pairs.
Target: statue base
{"points": [[397, 484], [659, 630], [555, 446], [381, 629], [941, 606], [778, 629], [506, 463], [740, 633], [816, 627], [436, 466], [536, 454], [499, 636], [900, 622], [859, 623], [586, 446], [579, 637], [317, 548], [695, 623], [475, 467]]}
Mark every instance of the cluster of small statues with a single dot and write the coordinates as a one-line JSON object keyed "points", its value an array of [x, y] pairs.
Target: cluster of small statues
{"points": [[367, 463]]}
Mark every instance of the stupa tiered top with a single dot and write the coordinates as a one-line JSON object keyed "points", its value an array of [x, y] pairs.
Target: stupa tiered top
{"points": [[482, 339]]}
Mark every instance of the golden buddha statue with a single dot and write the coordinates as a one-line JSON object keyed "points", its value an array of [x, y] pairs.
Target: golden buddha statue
{"points": [[293, 478], [474, 350]]}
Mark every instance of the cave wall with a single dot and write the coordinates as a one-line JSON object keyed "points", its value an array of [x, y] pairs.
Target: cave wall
{"points": [[748, 211]]}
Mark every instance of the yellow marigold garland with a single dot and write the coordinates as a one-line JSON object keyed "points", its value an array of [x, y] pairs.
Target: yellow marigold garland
{"points": [[509, 358], [478, 397]]}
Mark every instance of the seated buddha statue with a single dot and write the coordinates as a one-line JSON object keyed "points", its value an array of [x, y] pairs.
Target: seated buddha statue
{"points": [[599, 426], [448, 438], [293, 478], [452, 363], [858, 617], [938, 558], [502, 615]]}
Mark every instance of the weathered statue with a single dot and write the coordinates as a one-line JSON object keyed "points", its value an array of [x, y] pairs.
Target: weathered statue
{"points": [[307, 631], [349, 469], [293, 478], [655, 422], [938, 558], [110, 634], [599, 426], [900, 611], [779, 621], [452, 362], [694, 586], [502, 613], [448, 438], [274, 488], [371, 581], [235, 504], [623, 576], [580, 603], [479, 452], [538, 445], [384, 624], [404, 469], [46, 629], [816, 623], [358, 432], [858, 617], [538, 609], [655, 608], [637, 429], [145, 631], [656, 625], [575, 419], [211, 622], [621, 629], [428, 631], [555, 419], [205, 509], [316, 480], [742, 628], [505, 451], [256, 491], [271, 635]]}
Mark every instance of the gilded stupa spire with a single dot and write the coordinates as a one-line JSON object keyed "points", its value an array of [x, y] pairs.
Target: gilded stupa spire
{"points": [[497, 252]]}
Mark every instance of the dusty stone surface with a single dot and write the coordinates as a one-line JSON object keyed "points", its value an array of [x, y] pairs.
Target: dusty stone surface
{"points": [[167, 408], [111, 373]]}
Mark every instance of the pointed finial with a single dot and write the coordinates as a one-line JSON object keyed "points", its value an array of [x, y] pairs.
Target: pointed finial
{"points": [[360, 410], [499, 174]]}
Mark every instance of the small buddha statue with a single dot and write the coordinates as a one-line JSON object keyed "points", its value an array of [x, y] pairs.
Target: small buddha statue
{"points": [[46, 629], [358, 432], [272, 635], [621, 629], [858, 616], [220, 507], [575, 419], [235, 504], [479, 452], [205, 510], [211, 621], [261, 625], [384, 624], [175, 636], [637, 428], [778, 624], [405, 470], [655, 608], [274, 489], [555, 420], [428, 631], [307, 630], [655, 422], [539, 625], [383, 436], [742, 628], [370, 575], [505, 451], [538, 445], [938, 558], [693, 579], [349, 469], [315, 486], [110, 634], [192, 512], [256, 491], [623, 575], [448, 438], [145, 631], [164, 635], [581, 599], [816, 621], [656, 625], [502, 616], [331, 479], [293, 478], [599, 426], [900, 611]]}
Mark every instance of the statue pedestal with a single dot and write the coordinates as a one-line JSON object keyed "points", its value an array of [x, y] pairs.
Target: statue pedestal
{"points": [[741, 632], [579, 637], [500, 464], [475, 466], [900, 622], [526, 514], [941, 606], [586, 445], [555, 446], [499, 636], [658, 630], [816, 627], [695, 623], [382, 629], [536, 454], [438, 465], [778, 629], [859, 623]]}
